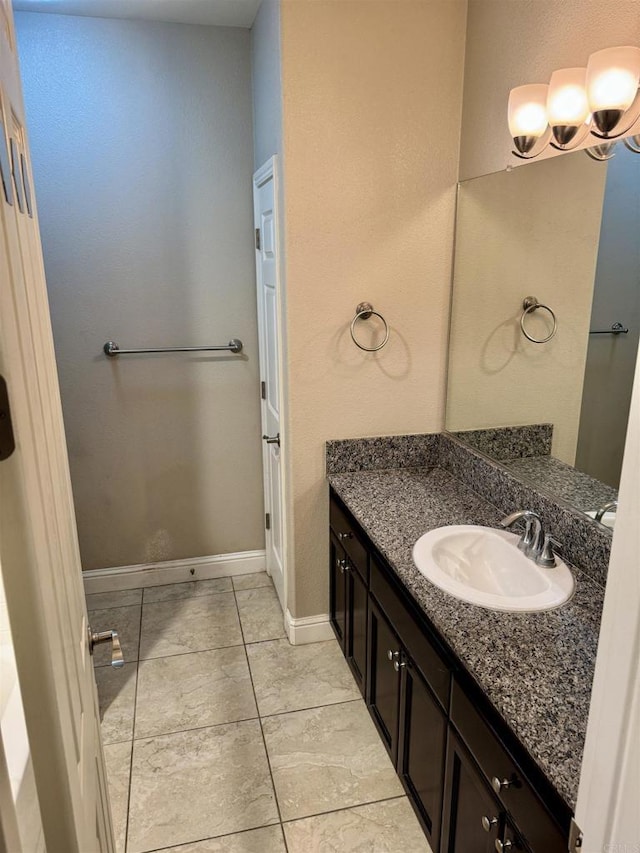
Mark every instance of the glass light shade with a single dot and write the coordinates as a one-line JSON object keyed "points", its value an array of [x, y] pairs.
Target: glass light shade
{"points": [[567, 104], [528, 111], [612, 78]]}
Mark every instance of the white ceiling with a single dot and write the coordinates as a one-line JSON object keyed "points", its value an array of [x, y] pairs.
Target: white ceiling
{"points": [[218, 13]]}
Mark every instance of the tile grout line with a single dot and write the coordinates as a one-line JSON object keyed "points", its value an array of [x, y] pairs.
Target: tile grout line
{"points": [[345, 809], [264, 742], [133, 731], [281, 824], [215, 837], [234, 722], [138, 659]]}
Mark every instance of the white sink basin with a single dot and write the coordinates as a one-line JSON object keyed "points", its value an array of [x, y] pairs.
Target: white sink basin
{"points": [[484, 566]]}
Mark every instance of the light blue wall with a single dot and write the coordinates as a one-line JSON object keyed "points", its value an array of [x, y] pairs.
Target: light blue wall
{"points": [[142, 145], [611, 359]]}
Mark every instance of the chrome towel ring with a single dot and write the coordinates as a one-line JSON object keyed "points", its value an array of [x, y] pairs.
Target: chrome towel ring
{"points": [[363, 311], [531, 304]]}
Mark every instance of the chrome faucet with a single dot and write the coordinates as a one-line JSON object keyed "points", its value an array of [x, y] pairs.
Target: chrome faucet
{"points": [[610, 505], [534, 542]]}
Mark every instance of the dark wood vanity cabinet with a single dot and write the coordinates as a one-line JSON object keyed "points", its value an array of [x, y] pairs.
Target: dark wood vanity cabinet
{"points": [[473, 818], [448, 745], [338, 590], [409, 719], [383, 679], [349, 597], [421, 749]]}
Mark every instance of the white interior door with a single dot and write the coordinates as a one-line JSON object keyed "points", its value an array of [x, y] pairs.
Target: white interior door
{"points": [[268, 279], [39, 554]]}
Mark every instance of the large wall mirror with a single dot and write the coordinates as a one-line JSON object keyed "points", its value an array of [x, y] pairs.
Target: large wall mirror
{"points": [[566, 231]]}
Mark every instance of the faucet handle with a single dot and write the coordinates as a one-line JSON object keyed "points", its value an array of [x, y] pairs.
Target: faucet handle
{"points": [[526, 540], [547, 558]]}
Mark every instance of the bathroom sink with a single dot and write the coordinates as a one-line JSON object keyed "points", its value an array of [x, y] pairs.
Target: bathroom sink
{"points": [[484, 566]]}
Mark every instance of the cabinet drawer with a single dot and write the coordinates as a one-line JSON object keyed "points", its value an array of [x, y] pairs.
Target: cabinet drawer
{"points": [[349, 540], [423, 653], [519, 799]]}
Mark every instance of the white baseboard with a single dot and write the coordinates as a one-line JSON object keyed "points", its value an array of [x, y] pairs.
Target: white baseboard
{"points": [[308, 629], [173, 571]]}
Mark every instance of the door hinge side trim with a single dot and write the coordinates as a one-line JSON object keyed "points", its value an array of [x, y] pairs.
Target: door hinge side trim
{"points": [[575, 837], [7, 439]]}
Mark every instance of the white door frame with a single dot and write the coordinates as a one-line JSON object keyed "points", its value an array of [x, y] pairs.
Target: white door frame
{"points": [[609, 793], [270, 171], [41, 571]]}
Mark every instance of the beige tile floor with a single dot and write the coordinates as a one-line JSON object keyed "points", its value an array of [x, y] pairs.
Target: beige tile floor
{"points": [[220, 737]]}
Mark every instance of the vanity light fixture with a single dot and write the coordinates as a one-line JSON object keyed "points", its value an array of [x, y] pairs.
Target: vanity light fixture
{"points": [[633, 143], [528, 121], [602, 99], [613, 76], [606, 150], [568, 108]]}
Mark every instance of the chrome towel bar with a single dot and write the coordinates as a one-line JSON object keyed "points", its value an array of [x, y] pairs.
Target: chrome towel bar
{"points": [[112, 349], [616, 329]]}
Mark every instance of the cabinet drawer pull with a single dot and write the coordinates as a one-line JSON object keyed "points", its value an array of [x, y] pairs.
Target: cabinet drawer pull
{"points": [[498, 784], [501, 846], [488, 823], [347, 535], [399, 664], [344, 566], [392, 655]]}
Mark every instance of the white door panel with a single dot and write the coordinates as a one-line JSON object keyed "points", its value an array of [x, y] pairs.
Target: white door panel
{"points": [[38, 541], [272, 373], [266, 221]]}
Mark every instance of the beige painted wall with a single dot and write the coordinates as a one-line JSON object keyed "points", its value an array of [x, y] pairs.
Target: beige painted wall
{"points": [[532, 231], [141, 135], [372, 96], [512, 42]]}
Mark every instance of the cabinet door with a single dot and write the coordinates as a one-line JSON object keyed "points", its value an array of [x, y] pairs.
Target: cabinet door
{"points": [[472, 817], [356, 646], [423, 739], [338, 590], [383, 680], [512, 840]]}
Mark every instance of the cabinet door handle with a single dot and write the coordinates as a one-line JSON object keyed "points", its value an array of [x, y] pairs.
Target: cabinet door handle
{"points": [[392, 655], [501, 846], [488, 823], [347, 535], [399, 664], [344, 566], [499, 784]]}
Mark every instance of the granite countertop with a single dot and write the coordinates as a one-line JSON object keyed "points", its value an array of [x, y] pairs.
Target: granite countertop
{"points": [[536, 668], [579, 489]]}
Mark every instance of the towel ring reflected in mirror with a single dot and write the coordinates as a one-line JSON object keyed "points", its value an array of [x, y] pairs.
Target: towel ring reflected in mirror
{"points": [[363, 311], [531, 304]]}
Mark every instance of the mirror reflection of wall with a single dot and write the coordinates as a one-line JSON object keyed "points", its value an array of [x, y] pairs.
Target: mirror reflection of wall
{"points": [[564, 230], [611, 358]]}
